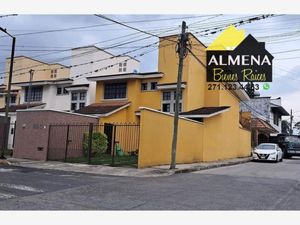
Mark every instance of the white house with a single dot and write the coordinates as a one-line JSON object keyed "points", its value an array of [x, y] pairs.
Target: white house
{"points": [[93, 61]]}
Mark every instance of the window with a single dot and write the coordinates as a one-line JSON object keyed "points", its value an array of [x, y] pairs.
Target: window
{"points": [[166, 95], [13, 99], [61, 91], [115, 90], [36, 94], [166, 107], [53, 73], [122, 66], [144, 86], [153, 85], [78, 100], [275, 119], [58, 90], [168, 101]]}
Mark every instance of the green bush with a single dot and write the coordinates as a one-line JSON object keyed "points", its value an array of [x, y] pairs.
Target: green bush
{"points": [[99, 144]]}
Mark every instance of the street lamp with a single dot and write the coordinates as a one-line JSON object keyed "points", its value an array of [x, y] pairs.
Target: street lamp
{"points": [[8, 90]]}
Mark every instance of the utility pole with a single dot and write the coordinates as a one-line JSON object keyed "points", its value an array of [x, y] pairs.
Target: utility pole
{"points": [[8, 91], [291, 122], [181, 50], [29, 88]]}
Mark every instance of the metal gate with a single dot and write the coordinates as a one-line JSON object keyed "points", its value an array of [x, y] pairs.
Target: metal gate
{"points": [[79, 143], [4, 131]]}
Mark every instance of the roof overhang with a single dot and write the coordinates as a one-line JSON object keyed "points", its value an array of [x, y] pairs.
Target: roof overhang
{"points": [[77, 88], [126, 76], [279, 109], [205, 115], [42, 83], [169, 86], [114, 111]]}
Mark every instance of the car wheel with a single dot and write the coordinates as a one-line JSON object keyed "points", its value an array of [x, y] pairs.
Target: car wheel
{"points": [[281, 159], [277, 159]]}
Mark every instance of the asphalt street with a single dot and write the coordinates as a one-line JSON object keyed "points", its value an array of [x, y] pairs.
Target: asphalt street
{"points": [[249, 186]]}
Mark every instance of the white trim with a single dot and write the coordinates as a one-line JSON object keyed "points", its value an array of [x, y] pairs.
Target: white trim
{"points": [[77, 88], [42, 83], [169, 86], [205, 115], [169, 114], [53, 110], [116, 110], [122, 77], [114, 99]]}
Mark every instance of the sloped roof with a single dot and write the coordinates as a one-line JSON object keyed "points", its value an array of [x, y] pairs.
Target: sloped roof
{"points": [[262, 125], [14, 108], [279, 109], [205, 111], [104, 108]]}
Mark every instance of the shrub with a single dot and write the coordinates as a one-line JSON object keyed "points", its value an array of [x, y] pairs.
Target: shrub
{"points": [[99, 144]]}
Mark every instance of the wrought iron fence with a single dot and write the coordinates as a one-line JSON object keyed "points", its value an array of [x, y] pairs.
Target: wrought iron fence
{"points": [[107, 144]]}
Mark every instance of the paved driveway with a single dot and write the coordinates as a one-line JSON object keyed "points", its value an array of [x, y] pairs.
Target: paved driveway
{"points": [[255, 186]]}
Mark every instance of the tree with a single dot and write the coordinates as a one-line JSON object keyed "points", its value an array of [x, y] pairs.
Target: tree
{"points": [[285, 127]]}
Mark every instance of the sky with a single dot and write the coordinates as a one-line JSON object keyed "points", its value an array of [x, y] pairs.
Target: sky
{"points": [[50, 37]]}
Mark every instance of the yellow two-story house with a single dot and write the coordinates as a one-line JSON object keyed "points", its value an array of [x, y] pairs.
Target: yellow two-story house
{"points": [[209, 117]]}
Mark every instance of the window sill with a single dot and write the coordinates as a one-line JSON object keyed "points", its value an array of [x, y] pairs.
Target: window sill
{"points": [[114, 99]]}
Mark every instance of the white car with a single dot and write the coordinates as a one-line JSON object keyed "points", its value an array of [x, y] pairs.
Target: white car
{"points": [[268, 152]]}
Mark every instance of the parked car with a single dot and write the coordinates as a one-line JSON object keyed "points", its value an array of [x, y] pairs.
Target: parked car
{"points": [[268, 152], [290, 145]]}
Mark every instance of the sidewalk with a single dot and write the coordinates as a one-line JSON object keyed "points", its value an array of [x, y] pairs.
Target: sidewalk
{"points": [[123, 171]]}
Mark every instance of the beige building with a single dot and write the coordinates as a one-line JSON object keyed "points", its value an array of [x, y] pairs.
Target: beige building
{"points": [[42, 72]]}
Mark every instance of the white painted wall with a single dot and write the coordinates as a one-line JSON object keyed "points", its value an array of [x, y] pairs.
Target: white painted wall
{"points": [[92, 54], [52, 100]]}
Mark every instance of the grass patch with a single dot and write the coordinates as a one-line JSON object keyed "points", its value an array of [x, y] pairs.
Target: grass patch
{"points": [[126, 160]]}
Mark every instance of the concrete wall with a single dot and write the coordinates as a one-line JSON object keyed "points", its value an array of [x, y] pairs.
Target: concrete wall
{"points": [[32, 131], [156, 138]]}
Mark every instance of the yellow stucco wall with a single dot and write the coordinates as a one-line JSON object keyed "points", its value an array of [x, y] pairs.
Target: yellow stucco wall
{"points": [[219, 137], [245, 143], [156, 138], [222, 132]]}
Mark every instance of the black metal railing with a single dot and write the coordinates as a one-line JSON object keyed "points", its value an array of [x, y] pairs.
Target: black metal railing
{"points": [[106, 144]]}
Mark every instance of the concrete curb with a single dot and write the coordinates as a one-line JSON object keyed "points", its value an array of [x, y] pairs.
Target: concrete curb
{"points": [[216, 165], [129, 172]]}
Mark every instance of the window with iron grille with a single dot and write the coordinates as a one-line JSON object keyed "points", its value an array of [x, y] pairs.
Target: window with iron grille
{"points": [[53, 73], [36, 94], [168, 101], [144, 86], [122, 66], [61, 91], [78, 100], [153, 85], [115, 90]]}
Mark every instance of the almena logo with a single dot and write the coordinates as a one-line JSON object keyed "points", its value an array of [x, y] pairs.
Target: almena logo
{"points": [[232, 57]]}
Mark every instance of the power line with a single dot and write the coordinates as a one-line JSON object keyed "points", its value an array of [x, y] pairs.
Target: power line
{"points": [[2, 16], [100, 25]]}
